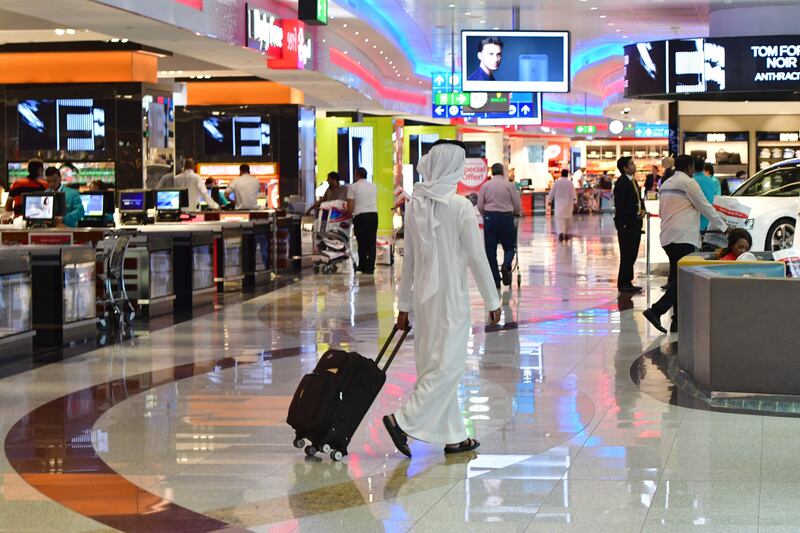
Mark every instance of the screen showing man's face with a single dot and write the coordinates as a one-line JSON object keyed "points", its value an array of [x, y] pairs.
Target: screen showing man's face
{"points": [[490, 57]]}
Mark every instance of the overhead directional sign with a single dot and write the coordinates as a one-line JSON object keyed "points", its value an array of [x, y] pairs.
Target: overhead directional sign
{"points": [[585, 129], [523, 109], [446, 111]]}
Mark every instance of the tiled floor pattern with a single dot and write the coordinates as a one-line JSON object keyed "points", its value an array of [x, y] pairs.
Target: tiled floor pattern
{"points": [[568, 441]]}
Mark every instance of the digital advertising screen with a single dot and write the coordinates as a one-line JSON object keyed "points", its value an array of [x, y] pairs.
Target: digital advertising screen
{"points": [[237, 136], [131, 201], [92, 204], [749, 67], [515, 61], [39, 207], [73, 125], [168, 200]]}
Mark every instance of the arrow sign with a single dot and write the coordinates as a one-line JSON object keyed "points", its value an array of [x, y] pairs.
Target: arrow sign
{"points": [[439, 111], [525, 110], [438, 81], [461, 98]]}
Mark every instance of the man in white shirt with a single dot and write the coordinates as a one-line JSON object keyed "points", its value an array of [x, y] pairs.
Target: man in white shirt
{"points": [[243, 191], [196, 185], [362, 201], [577, 178], [680, 204]]}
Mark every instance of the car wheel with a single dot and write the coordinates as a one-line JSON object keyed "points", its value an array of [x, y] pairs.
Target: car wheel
{"points": [[781, 235]]}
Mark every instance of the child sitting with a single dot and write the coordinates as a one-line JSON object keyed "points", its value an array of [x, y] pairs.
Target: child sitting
{"points": [[739, 242]]}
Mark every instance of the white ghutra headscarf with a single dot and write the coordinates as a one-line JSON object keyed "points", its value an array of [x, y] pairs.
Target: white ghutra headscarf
{"points": [[441, 169]]}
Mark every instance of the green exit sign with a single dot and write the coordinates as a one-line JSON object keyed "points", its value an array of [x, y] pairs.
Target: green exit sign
{"points": [[455, 98], [585, 129], [313, 11]]}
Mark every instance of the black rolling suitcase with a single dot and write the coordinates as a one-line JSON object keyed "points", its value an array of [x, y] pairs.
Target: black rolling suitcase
{"points": [[330, 402]]}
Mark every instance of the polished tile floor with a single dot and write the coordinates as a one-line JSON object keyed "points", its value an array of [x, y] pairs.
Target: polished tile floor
{"points": [[182, 429]]}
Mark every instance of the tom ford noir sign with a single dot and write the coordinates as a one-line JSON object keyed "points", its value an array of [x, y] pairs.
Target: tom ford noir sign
{"points": [[703, 68]]}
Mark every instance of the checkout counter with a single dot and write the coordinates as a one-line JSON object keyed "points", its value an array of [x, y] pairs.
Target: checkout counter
{"points": [[63, 293], [16, 314], [149, 273]]}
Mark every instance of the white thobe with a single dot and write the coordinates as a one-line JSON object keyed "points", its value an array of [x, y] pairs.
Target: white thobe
{"points": [[563, 192], [442, 324]]}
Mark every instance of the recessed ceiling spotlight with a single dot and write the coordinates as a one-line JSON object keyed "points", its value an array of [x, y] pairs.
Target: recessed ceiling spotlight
{"points": [[483, 22], [115, 40], [593, 8], [374, 46], [357, 33], [344, 25], [59, 31], [381, 52], [70, 31], [468, 13], [123, 40], [602, 16], [496, 28], [366, 40], [618, 30], [324, 40], [624, 36], [610, 23], [451, 6], [345, 52]]}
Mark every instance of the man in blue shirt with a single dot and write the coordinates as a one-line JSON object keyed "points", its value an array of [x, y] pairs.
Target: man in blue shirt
{"points": [[490, 54], [72, 198], [708, 184]]}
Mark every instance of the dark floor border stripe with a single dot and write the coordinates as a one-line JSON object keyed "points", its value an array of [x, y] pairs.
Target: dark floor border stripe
{"points": [[50, 448]]}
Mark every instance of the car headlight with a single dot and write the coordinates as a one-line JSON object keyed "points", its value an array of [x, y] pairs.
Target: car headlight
{"points": [[749, 223]]}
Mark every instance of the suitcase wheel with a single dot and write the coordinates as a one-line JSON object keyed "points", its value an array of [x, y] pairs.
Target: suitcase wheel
{"points": [[336, 455], [299, 443], [326, 448], [311, 450]]}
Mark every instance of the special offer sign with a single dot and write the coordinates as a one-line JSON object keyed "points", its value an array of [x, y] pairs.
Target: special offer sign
{"points": [[475, 174]]}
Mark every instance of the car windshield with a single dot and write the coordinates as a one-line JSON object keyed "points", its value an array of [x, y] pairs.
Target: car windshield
{"points": [[781, 181]]}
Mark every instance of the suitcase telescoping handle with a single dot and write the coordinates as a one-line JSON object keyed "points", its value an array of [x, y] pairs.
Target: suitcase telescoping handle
{"points": [[396, 347]]}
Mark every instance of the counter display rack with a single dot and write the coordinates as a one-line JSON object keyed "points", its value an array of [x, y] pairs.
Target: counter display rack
{"points": [[774, 147], [16, 317]]}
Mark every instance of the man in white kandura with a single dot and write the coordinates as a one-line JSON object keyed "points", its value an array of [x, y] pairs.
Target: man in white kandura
{"points": [[563, 192], [441, 239]]}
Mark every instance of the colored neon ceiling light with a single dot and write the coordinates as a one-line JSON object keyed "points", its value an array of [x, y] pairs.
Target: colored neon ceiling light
{"points": [[339, 59]]}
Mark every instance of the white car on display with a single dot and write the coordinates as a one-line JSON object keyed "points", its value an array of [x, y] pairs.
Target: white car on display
{"points": [[773, 196]]}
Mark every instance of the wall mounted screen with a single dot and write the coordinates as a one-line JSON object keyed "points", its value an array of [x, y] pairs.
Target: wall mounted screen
{"points": [[515, 61], [73, 125]]}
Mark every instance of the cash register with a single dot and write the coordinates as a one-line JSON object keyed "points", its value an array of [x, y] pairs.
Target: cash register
{"points": [[42, 209], [133, 204], [170, 203], [98, 208]]}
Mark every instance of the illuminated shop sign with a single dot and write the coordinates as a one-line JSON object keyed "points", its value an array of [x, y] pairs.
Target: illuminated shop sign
{"points": [[284, 41], [313, 11], [701, 68]]}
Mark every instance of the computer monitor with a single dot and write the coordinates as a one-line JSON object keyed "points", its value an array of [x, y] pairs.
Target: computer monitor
{"points": [[133, 201], [172, 200], [43, 206], [97, 204]]}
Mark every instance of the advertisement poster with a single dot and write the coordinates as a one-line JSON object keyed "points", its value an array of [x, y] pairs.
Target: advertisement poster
{"points": [[476, 172]]}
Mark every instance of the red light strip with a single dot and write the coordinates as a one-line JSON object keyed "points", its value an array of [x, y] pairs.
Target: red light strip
{"points": [[194, 4], [340, 59]]}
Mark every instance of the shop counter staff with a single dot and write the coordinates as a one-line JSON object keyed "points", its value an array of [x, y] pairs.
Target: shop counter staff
{"points": [[362, 201], [192, 181], [243, 191], [72, 198], [33, 182]]}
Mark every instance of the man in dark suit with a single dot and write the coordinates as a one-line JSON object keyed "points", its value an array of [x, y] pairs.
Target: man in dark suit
{"points": [[628, 214]]}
